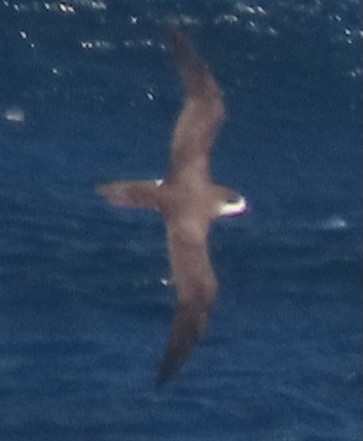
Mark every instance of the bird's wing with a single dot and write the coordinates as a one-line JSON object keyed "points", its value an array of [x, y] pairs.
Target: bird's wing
{"points": [[139, 194], [201, 115], [196, 288]]}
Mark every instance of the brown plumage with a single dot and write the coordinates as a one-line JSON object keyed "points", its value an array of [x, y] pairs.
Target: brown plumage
{"points": [[189, 201]]}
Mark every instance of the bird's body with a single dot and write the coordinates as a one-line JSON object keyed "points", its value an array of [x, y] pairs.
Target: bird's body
{"points": [[189, 201]]}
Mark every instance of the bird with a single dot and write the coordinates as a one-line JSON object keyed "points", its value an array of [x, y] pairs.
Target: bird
{"points": [[189, 201]]}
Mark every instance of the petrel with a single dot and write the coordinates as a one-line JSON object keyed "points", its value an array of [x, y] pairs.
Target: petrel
{"points": [[189, 202]]}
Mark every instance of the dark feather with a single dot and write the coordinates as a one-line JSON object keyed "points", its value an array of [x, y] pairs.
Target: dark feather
{"points": [[201, 116], [137, 194]]}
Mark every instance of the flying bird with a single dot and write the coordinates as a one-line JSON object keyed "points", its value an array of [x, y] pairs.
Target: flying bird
{"points": [[189, 201]]}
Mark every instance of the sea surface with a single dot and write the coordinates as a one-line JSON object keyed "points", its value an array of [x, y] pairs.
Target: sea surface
{"points": [[87, 93]]}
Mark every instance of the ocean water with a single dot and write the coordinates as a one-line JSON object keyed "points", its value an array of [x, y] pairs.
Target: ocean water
{"points": [[87, 93]]}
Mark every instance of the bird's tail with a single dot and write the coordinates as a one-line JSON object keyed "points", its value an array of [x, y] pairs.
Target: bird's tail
{"points": [[138, 194]]}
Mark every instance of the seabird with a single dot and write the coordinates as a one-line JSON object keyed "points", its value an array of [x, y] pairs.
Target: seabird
{"points": [[189, 202]]}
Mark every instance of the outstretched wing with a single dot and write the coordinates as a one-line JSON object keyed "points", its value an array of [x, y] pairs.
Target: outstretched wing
{"points": [[196, 287], [201, 116], [138, 194]]}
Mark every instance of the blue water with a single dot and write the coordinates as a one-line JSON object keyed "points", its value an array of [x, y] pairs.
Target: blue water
{"points": [[89, 93]]}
